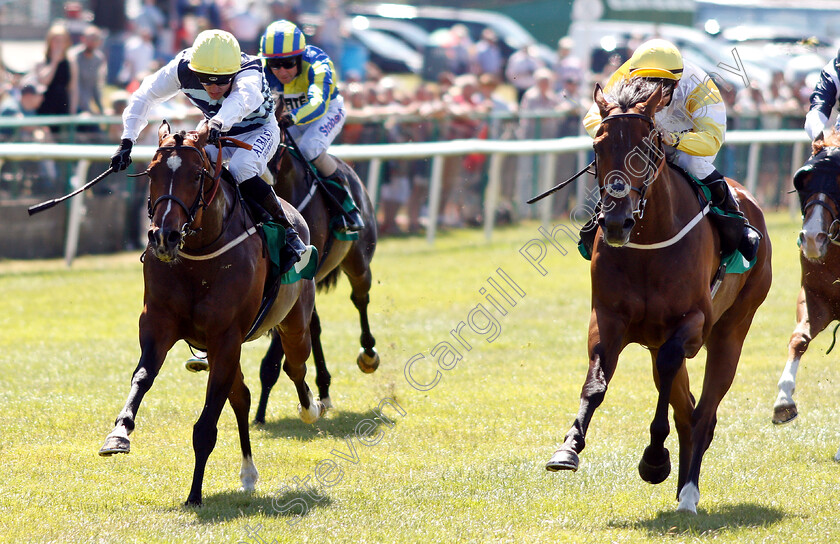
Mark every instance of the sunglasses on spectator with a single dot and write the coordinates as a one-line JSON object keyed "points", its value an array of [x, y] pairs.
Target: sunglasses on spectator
{"points": [[286, 63], [214, 79]]}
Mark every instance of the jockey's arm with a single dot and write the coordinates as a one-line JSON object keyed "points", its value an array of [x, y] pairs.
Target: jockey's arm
{"points": [[245, 96], [823, 98], [707, 111], [155, 89], [318, 94]]}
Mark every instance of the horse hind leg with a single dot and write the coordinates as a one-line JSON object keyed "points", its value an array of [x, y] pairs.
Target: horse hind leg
{"points": [[297, 343], [240, 401], [322, 375], [269, 372], [368, 359]]}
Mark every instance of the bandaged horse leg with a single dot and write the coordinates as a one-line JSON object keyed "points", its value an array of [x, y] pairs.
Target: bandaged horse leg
{"points": [[348, 218]]}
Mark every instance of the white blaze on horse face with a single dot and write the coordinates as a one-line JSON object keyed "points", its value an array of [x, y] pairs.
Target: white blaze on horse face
{"points": [[812, 228], [173, 162]]}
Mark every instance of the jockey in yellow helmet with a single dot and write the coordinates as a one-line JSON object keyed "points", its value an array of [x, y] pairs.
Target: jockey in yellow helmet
{"points": [[314, 110], [692, 120]]}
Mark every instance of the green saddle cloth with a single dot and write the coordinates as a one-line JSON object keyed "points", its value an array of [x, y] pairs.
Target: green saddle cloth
{"points": [[275, 238]]}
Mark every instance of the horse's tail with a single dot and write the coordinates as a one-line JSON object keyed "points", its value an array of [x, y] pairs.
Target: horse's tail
{"points": [[329, 281]]}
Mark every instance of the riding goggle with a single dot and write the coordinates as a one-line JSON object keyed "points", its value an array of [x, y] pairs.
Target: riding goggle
{"points": [[214, 79], [287, 63]]}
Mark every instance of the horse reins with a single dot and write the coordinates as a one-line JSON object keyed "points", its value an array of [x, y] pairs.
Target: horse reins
{"points": [[200, 201]]}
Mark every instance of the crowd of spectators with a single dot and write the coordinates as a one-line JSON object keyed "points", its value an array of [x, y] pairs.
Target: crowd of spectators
{"points": [[94, 59]]}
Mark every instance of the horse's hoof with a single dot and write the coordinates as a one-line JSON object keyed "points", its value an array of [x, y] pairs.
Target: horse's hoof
{"points": [[784, 414], [197, 364], [311, 415], [563, 459], [115, 444], [327, 403], [653, 470], [368, 364]]}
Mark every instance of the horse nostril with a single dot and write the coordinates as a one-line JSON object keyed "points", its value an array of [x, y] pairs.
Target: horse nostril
{"points": [[628, 223], [153, 236], [173, 238], [801, 237]]}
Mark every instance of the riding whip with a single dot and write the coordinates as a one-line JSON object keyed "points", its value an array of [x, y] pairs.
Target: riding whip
{"points": [[50, 203], [561, 184]]}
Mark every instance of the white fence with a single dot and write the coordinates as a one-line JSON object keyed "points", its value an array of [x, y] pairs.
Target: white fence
{"points": [[83, 154]]}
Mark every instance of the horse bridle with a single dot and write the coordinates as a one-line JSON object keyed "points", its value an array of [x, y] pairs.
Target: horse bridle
{"points": [[200, 201], [653, 158], [826, 185]]}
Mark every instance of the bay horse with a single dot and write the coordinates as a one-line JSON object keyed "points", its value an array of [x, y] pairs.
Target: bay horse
{"points": [[818, 303], [204, 273], [652, 267], [294, 183]]}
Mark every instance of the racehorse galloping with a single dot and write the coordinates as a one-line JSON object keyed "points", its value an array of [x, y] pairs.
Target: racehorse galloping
{"points": [[818, 304], [294, 184], [204, 273], [651, 275]]}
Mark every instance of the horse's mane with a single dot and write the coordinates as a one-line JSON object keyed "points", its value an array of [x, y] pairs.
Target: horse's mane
{"points": [[626, 93], [832, 139]]}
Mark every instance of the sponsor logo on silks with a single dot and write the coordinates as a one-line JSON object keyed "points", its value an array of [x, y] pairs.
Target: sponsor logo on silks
{"points": [[327, 127], [260, 144], [295, 101]]}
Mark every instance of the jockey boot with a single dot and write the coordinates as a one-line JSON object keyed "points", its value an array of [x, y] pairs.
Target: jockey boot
{"points": [[734, 228], [258, 190], [348, 219], [588, 233]]}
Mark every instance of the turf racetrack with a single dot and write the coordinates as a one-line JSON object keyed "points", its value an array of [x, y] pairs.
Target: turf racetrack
{"points": [[458, 454]]}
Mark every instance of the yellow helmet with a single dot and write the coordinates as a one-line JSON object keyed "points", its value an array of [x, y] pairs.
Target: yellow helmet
{"points": [[656, 58], [216, 52]]}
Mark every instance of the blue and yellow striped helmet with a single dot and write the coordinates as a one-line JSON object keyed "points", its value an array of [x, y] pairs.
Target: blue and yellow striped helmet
{"points": [[282, 39]]}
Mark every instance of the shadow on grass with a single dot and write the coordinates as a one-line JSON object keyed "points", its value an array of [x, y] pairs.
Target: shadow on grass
{"points": [[333, 424], [707, 522], [229, 505]]}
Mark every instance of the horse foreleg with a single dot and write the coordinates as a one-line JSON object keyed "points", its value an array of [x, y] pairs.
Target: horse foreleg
{"points": [[224, 352], [812, 316], [269, 372], [154, 344], [603, 357], [322, 375], [368, 359], [723, 351], [240, 401]]}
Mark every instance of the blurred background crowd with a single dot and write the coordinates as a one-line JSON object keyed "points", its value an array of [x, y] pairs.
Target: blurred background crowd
{"points": [[416, 76]]}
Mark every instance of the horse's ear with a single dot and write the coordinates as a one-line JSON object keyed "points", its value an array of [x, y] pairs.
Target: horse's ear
{"points": [[652, 103], [163, 131], [603, 105]]}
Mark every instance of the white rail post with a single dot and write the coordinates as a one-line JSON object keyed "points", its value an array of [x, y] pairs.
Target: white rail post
{"points": [[796, 162], [373, 181], [547, 171], [77, 211], [491, 193], [752, 166], [435, 186]]}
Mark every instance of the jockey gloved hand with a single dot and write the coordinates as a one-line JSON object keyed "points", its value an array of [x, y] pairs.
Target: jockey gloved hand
{"points": [[215, 132], [122, 158], [286, 120]]}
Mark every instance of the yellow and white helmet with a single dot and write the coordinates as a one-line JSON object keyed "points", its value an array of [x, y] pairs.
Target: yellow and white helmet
{"points": [[656, 58], [217, 53]]}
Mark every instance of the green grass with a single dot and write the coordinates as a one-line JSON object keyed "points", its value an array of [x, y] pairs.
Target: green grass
{"points": [[466, 461]]}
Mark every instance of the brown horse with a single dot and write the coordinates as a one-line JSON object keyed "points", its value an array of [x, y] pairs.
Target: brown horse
{"points": [[204, 272], [652, 268], [818, 304], [295, 184]]}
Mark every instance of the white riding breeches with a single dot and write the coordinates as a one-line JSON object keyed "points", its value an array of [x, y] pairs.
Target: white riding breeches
{"points": [[244, 164], [315, 138]]}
